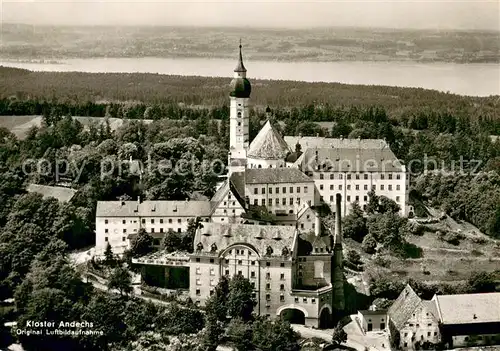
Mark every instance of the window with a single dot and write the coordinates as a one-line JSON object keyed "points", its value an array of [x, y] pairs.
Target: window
{"points": [[357, 186], [268, 286], [227, 272], [255, 191], [428, 333], [240, 273], [263, 202], [365, 198], [321, 187], [198, 281], [340, 186], [268, 264], [331, 186], [106, 221], [357, 175], [283, 201], [282, 276], [348, 198], [170, 220], [255, 202], [341, 176], [382, 187], [305, 189], [304, 300], [374, 187], [321, 176], [152, 230], [435, 333], [357, 198], [252, 274], [390, 176], [291, 201], [198, 270], [398, 187], [124, 221], [406, 334], [240, 261], [282, 298], [331, 198], [313, 300], [332, 176], [253, 263], [348, 186], [268, 275], [106, 230], [212, 271], [178, 230], [211, 260], [198, 292], [348, 176], [284, 190], [268, 297], [106, 239], [123, 239], [282, 264], [366, 187], [291, 190], [398, 176], [152, 221], [406, 344], [179, 220], [263, 191], [277, 190], [197, 259], [390, 186], [298, 190], [382, 176], [296, 300], [365, 176]]}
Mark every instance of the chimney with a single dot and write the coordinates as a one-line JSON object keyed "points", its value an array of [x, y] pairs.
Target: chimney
{"points": [[317, 225], [337, 240], [138, 200]]}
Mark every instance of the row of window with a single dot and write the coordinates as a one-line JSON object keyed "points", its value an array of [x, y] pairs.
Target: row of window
{"points": [[277, 190], [268, 264], [124, 230], [269, 203], [356, 198], [358, 176], [365, 187], [161, 221], [106, 239]]}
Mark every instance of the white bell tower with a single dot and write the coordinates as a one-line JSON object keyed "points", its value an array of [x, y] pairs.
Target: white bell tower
{"points": [[239, 117]]}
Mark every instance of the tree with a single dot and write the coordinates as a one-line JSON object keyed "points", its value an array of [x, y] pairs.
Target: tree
{"points": [[369, 244], [354, 225], [121, 280], [339, 335], [109, 258], [212, 334], [142, 244], [172, 241], [276, 335], [240, 302], [481, 282], [216, 305], [240, 333]]}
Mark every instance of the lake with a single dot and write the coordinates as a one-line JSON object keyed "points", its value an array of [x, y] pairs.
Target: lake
{"points": [[464, 79]]}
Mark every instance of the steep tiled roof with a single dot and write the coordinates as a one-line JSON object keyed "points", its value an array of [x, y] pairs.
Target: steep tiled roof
{"points": [[321, 142], [256, 236], [60, 193], [153, 209], [268, 145], [461, 309], [275, 175], [350, 160], [401, 310], [237, 184]]}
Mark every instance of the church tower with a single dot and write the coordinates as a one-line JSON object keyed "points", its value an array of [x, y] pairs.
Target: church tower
{"points": [[239, 117], [338, 299]]}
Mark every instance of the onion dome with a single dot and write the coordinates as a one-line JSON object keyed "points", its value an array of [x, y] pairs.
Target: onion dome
{"points": [[240, 88]]}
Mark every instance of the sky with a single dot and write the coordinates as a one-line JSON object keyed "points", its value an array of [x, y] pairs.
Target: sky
{"points": [[418, 14]]}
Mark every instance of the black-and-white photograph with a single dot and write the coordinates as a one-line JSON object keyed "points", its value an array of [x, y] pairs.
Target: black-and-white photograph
{"points": [[249, 175]]}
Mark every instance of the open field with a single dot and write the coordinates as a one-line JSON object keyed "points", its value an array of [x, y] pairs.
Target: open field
{"points": [[320, 44]]}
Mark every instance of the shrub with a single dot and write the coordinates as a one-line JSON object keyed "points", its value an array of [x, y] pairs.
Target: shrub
{"points": [[354, 257], [369, 244]]}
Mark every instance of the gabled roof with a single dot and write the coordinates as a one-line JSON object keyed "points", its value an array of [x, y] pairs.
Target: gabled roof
{"points": [[268, 144], [337, 143], [221, 194], [256, 236], [350, 160], [58, 192], [401, 310], [153, 209], [469, 308], [275, 176]]}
